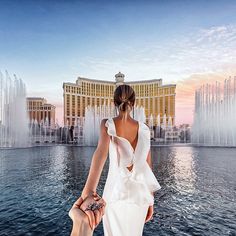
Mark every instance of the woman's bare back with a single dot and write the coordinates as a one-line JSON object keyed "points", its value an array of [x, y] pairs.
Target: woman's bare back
{"points": [[127, 129]]}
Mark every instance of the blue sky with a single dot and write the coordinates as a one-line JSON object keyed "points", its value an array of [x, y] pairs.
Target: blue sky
{"points": [[49, 42]]}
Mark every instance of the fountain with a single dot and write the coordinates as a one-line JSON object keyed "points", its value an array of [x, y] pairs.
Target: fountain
{"points": [[94, 115], [18, 131], [14, 130], [215, 112]]}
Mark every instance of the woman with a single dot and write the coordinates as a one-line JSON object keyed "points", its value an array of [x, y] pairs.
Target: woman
{"points": [[130, 184]]}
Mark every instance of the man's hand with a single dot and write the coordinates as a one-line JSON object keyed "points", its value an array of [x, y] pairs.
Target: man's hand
{"points": [[80, 220], [75, 213]]}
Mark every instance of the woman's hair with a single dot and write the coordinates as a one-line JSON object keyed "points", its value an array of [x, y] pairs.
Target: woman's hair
{"points": [[124, 97]]}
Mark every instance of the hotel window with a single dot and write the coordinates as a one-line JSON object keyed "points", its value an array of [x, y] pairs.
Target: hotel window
{"points": [[73, 105], [78, 106], [161, 106], [172, 105], [146, 106], [166, 106], [151, 106], [83, 106]]}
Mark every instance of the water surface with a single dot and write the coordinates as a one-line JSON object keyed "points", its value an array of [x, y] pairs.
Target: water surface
{"points": [[198, 196]]}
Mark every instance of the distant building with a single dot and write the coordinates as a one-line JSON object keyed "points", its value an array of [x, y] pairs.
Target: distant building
{"points": [[172, 134], [151, 94], [38, 109], [185, 133]]}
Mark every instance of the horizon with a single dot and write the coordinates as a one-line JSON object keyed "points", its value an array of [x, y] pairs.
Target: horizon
{"points": [[185, 43]]}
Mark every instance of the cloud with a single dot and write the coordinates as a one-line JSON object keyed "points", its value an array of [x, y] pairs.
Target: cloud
{"points": [[223, 32], [202, 56], [203, 51]]}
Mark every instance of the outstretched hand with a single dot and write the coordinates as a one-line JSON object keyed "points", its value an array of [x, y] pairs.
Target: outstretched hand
{"points": [[75, 213], [80, 220]]}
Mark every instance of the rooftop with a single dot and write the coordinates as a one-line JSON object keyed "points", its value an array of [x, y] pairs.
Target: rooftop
{"points": [[79, 79], [35, 98]]}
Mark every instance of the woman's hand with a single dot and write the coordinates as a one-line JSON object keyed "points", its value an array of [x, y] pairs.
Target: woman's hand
{"points": [[149, 213], [95, 215]]}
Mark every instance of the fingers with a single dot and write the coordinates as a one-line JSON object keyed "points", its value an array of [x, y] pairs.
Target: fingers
{"points": [[91, 218], [101, 201], [96, 197], [102, 209], [98, 218], [78, 202]]}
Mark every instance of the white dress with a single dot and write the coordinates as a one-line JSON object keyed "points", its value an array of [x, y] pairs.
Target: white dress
{"points": [[128, 193]]}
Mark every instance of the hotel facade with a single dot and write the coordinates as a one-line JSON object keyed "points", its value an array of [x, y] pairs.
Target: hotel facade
{"points": [[155, 97], [38, 109]]}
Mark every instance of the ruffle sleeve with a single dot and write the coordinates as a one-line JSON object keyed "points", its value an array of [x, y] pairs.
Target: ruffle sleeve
{"points": [[110, 128]]}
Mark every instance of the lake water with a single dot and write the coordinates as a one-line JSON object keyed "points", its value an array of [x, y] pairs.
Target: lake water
{"points": [[198, 196]]}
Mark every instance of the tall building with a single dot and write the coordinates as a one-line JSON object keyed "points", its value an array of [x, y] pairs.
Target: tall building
{"points": [[151, 94], [38, 109]]}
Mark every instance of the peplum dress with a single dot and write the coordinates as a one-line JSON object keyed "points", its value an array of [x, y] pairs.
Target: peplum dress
{"points": [[128, 193]]}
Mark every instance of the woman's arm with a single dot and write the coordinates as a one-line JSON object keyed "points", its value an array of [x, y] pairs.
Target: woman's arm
{"points": [[98, 161]]}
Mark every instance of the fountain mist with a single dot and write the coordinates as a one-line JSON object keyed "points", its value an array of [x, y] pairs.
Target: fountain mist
{"points": [[13, 113], [215, 112]]}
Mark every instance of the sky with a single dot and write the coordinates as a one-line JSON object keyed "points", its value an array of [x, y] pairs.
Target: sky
{"points": [[184, 42]]}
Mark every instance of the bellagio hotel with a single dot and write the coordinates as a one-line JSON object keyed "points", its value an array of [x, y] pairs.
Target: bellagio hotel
{"points": [[155, 97]]}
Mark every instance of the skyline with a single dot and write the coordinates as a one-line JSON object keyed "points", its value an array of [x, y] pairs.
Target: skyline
{"points": [[182, 42]]}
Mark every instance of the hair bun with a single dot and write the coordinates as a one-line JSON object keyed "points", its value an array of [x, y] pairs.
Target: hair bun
{"points": [[125, 100]]}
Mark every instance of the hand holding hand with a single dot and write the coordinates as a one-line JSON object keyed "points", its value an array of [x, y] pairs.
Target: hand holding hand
{"points": [[85, 221], [94, 207]]}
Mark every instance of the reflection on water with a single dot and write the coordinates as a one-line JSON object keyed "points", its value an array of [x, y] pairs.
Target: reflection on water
{"points": [[184, 170], [39, 185]]}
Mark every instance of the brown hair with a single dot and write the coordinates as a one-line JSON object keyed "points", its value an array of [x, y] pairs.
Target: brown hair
{"points": [[124, 97]]}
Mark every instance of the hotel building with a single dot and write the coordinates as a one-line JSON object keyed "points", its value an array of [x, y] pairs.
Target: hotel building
{"points": [[38, 109], [155, 97]]}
